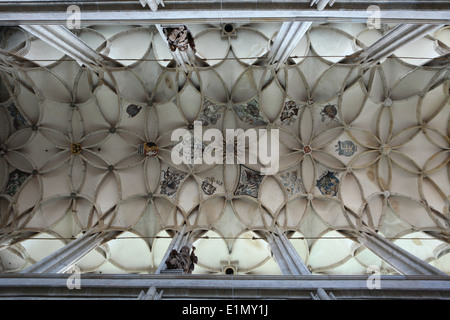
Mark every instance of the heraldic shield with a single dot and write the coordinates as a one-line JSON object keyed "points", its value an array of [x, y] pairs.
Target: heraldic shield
{"points": [[328, 184]]}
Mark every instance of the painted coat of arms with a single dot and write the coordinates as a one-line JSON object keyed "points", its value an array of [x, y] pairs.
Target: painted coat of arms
{"points": [[210, 113], [208, 186], [192, 150], [289, 113], [133, 110], [250, 113], [249, 182], [346, 148], [292, 183], [18, 120], [16, 179], [328, 184], [329, 112], [171, 182], [149, 149]]}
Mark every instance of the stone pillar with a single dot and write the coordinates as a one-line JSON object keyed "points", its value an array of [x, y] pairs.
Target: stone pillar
{"points": [[152, 4], [285, 254], [287, 39], [290, 262], [64, 258], [321, 4], [322, 295], [391, 41], [400, 259], [62, 39], [151, 294]]}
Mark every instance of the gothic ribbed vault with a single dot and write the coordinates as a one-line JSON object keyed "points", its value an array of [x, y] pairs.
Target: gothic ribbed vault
{"points": [[84, 148]]}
